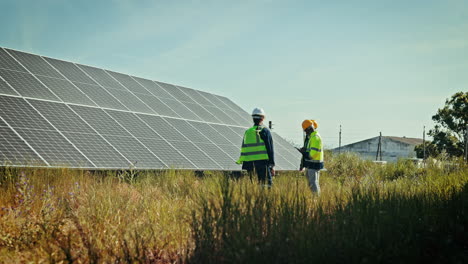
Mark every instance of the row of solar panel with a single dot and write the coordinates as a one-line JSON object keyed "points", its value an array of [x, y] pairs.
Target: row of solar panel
{"points": [[92, 137], [34, 76]]}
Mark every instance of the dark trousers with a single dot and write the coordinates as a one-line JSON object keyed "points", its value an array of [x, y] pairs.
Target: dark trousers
{"points": [[260, 167]]}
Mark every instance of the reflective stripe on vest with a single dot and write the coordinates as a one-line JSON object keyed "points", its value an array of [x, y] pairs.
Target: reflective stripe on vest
{"points": [[253, 147], [316, 149]]}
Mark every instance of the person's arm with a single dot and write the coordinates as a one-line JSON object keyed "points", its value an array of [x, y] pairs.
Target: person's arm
{"points": [[302, 165], [304, 150], [265, 135]]}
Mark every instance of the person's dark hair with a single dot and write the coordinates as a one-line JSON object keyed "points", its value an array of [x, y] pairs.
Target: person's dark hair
{"points": [[257, 121]]}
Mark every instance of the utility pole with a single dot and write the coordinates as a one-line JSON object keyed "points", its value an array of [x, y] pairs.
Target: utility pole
{"points": [[339, 142], [379, 148], [424, 143]]}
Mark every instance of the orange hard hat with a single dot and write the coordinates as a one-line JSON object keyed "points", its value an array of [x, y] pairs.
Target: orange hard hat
{"points": [[309, 122]]}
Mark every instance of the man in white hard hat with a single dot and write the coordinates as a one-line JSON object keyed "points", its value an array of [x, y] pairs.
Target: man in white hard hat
{"points": [[257, 153]]}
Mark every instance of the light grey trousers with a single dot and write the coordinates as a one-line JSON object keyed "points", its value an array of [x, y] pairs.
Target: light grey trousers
{"points": [[313, 177]]}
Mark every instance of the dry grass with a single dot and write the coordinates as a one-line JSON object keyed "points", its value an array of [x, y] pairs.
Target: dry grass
{"points": [[74, 216]]}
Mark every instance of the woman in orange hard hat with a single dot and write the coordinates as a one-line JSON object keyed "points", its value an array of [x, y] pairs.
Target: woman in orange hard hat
{"points": [[312, 154]]}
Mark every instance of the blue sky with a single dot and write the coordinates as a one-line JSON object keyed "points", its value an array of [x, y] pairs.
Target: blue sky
{"points": [[369, 66]]}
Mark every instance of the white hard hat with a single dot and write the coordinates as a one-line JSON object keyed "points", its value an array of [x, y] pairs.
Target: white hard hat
{"points": [[257, 112]]}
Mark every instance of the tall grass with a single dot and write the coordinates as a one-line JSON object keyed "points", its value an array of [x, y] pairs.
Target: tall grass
{"points": [[365, 213], [75, 216]]}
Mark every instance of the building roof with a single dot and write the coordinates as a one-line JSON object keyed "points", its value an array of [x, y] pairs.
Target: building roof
{"points": [[405, 140], [410, 141]]}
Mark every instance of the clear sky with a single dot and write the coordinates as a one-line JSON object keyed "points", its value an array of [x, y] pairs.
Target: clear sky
{"points": [[370, 66]]}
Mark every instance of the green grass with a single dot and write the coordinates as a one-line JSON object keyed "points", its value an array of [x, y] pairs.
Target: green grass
{"points": [[366, 213]]}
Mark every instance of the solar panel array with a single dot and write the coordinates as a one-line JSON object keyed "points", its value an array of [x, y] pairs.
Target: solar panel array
{"points": [[55, 113]]}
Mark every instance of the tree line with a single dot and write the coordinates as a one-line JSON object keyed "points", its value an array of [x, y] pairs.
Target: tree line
{"points": [[450, 133]]}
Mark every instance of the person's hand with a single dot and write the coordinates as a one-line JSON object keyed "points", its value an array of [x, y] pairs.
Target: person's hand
{"points": [[302, 169], [301, 150], [273, 172]]}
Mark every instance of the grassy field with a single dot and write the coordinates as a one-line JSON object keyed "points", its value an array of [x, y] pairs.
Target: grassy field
{"points": [[367, 213]]}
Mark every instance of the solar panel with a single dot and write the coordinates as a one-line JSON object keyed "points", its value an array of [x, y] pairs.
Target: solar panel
{"points": [[196, 155], [159, 91], [133, 124], [216, 153], [152, 87], [232, 106], [100, 96], [163, 128], [238, 130], [27, 85], [98, 150], [134, 151], [158, 106], [101, 77], [231, 150], [202, 113], [211, 133], [181, 109], [232, 109], [70, 71], [130, 101], [287, 146], [6, 89], [2, 123], [185, 128], [19, 114], [220, 115], [100, 121], [61, 116], [66, 91], [54, 148], [129, 83], [176, 92], [196, 96], [242, 120], [168, 154], [231, 135], [281, 163], [214, 100], [14, 151], [55, 113], [35, 64], [8, 62]]}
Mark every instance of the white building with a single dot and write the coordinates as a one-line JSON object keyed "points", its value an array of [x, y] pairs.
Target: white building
{"points": [[392, 148]]}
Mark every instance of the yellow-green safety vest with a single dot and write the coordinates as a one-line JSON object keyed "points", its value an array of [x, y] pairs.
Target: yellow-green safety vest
{"points": [[315, 148], [253, 146]]}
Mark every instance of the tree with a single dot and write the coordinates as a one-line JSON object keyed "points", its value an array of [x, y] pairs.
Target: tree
{"points": [[431, 150], [449, 133]]}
